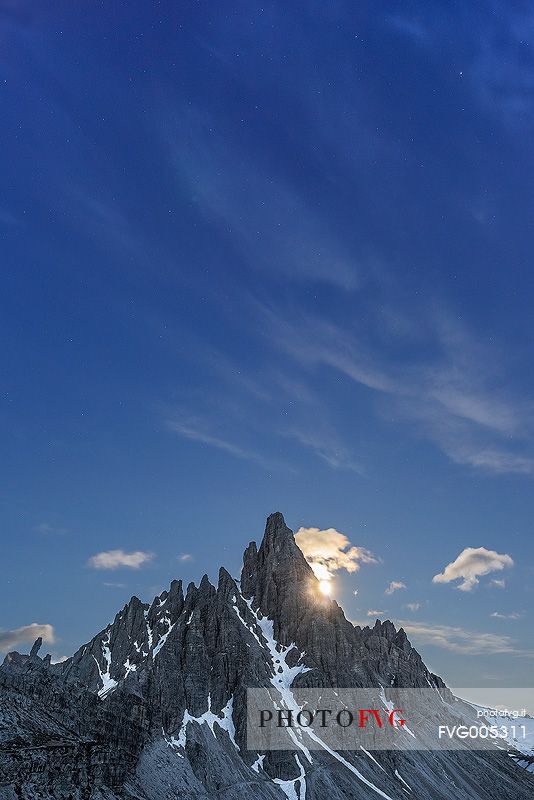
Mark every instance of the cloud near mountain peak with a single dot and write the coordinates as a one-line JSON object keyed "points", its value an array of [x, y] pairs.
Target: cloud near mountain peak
{"points": [[328, 551]]}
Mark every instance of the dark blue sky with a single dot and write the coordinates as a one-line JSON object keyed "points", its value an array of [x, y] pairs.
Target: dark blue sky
{"points": [[261, 257]]}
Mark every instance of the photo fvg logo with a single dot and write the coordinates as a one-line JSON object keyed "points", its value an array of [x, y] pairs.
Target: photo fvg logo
{"points": [[325, 717], [383, 718]]}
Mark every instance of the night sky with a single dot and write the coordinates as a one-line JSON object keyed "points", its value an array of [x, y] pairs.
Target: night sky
{"points": [[262, 257]]}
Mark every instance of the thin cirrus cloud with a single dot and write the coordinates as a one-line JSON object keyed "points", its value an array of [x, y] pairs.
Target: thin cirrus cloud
{"points": [[256, 397], [185, 557], [394, 586], [459, 640], [327, 446], [413, 606], [26, 634], [274, 226], [499, 78], [328, 551], [196, 431], [470, 565], [512, 615], [454, 397], [374, 613], [117, 559], [50, 530]]}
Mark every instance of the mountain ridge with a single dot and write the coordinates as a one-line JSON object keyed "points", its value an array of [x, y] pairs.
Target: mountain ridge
{"points": [[154, 706]]}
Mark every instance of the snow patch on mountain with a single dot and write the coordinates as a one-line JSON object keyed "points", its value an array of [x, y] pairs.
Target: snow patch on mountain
{"points": [[290, 787], [163, 638], [390, 707], [283, 677], [225, 723], [108, 683]]}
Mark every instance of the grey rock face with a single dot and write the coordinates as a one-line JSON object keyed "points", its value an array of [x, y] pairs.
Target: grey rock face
{"points": [[56, 735], [154, 706], [36, 647]]}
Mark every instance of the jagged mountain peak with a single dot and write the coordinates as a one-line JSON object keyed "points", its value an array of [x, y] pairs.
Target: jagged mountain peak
{"points": [[161, 693], [278, 541], [226, 585], [277, 584], [277, 558], [277, 534]]}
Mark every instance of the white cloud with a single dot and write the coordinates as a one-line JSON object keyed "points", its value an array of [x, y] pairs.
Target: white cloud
{"points": [[185, 557], [28, 633], [394, 586], [114, 559], [47, 529], [499, 583], [374, 613], [413, 606], [459, 640], [512, 615], [326, 552], [55, 659], [472, 563]]}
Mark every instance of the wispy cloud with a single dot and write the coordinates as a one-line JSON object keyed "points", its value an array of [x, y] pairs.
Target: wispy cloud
{"points": [[327, 446], [374, 613], [27, 634], [511, 615], [185, 557], [47, 529], [314, 341], [497, 65], [116, 559], [250, 403], [7, 219], [492, 460], [460, 640], [501, 68], [452, 390], [453, 397], [471, 564], [409, 26], [195, 430], [273, 225], [413, 606]]}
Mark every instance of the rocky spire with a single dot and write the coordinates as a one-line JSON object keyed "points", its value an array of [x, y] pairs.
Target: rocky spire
{"points": [[278, 538], [36, 647], [276, 571], [282, 586]]}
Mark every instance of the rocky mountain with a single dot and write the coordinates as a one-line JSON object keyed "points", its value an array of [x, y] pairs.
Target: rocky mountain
{"points": [[154, 706]]}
